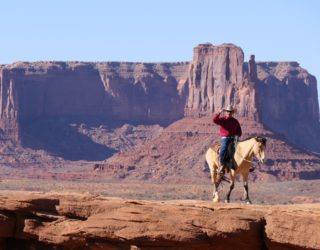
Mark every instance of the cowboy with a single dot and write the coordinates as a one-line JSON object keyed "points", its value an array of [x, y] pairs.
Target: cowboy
{"points": [[230, 130]]}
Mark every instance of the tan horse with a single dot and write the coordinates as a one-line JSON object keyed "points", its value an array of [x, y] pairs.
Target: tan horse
{"points": [[244, 153]]}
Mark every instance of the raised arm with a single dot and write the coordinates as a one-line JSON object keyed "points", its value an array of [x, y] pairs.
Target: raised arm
{"points": [[216, 118]]}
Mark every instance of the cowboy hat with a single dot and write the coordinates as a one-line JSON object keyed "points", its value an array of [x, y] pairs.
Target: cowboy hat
{"points": [[229, 108]]}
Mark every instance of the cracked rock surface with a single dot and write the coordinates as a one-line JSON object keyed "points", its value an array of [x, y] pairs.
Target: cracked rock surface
{"points": [[30, 220]]}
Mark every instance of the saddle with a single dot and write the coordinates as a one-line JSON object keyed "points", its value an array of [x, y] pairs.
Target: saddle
{"points": [[216, 147], [228, 157]]}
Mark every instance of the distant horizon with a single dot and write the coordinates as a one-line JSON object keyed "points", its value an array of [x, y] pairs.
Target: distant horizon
{"points": [[142, 61]]}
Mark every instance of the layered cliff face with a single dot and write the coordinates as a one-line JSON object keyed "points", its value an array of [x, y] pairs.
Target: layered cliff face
{"points": [[276, 94], [8, 107], [117, 90], [288, 102], [145, 92], [283, 96], [217, 78], [135, 92]]}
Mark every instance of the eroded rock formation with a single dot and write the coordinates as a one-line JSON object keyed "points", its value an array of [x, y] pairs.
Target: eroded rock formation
{"points": [[122, 91], [70, 221], [288, 102], [275, 94], [217, 79], [9, 105]]}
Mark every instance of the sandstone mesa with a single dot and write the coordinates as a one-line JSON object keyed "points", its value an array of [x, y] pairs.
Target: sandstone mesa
{"points": [[47, 110]]}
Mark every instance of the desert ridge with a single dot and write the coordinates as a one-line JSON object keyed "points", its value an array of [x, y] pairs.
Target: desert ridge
{"points": [[84, 221]]}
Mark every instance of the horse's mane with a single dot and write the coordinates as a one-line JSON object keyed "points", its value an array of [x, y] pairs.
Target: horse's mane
{"points": [[247, 139], [263, 140]]}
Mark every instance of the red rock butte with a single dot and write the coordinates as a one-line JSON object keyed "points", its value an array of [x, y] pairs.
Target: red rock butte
{"points": [[279, 97]]}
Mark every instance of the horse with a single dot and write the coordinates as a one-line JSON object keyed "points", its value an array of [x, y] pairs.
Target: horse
{"points": [[244, 153]]}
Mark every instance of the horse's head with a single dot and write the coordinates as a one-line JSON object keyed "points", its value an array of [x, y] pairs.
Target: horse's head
{"points": [[259, 148]]}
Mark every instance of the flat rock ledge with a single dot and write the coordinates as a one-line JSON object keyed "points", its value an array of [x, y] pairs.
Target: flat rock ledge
{"points": [[30, 220]]}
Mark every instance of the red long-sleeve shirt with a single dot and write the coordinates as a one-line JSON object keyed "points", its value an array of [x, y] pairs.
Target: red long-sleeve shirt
{"points": [[229, 126]]}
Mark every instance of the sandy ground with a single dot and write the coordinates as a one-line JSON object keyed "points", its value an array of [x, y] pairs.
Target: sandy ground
{"points": [[294, 192]]}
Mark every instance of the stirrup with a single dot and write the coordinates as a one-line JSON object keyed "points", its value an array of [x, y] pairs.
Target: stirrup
{"points": [[221, 170]]}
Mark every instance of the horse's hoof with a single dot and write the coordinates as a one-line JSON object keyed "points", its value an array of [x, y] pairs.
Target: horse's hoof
{"points": [[247, 201], [215, 200], [226, 201]]}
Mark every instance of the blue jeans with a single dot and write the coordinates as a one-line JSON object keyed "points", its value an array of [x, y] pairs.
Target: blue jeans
{"points": [[225, 141]]}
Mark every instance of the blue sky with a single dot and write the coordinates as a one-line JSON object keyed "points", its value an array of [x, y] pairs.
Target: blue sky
{"points": [[158, 31]]}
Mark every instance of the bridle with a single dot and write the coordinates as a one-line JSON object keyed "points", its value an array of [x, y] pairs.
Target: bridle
{"points": [[257, 161]]}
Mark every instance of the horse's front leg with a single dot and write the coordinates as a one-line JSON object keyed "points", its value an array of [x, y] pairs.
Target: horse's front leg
{"points": [[246, 189], [232, 179]]}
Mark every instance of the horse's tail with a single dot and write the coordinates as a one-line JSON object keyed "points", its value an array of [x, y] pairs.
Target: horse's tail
{"points": [[205, 166]]}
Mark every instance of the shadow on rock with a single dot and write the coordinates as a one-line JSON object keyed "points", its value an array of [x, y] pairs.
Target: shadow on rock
{"points": [[58, 137]]}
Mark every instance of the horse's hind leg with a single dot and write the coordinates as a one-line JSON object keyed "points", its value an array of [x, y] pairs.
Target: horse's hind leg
{"points": [[211, 158], [215, 192], [215, 183]]}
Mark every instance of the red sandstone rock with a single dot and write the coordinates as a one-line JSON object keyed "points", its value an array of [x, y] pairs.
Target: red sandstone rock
{"points": [[289, 226], [288, 102], [150, 92], [90, 222], [7, 224], [123, 91], [35, 97], [217, 79], [177, 155]]}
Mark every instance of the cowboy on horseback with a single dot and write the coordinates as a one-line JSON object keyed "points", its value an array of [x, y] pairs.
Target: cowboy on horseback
{"points": [[230, 130]]}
